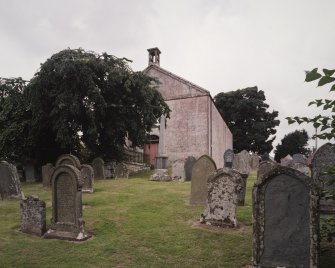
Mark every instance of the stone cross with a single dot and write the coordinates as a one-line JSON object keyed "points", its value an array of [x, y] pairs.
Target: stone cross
{"points": [[161, 158]]}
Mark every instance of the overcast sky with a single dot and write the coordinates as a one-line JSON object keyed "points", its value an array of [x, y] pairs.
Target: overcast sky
{"points": [[220, 45]]}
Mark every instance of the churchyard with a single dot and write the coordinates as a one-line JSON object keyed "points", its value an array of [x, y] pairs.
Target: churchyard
{"points": [[135, 223]]}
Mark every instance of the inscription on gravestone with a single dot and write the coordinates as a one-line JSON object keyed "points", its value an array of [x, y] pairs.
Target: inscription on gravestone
{"points": [[65, 194], [228, 158]]}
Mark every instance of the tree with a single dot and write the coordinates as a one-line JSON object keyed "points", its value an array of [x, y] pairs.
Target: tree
{"points": [[82, 101], [292, 143], [246, 115]]}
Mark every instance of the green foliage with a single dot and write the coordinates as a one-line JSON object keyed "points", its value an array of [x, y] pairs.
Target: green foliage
{"points": [[83, 103], [246, 115], [292, 143]]}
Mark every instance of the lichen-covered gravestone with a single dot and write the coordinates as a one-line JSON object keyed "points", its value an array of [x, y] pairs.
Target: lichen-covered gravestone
{"points": [[67, 218], [285, 220], [33, 216], [190, 161], [121, 171], [68, 159], [222, 198], [228, 158], [47, 171], [299, 158], [242, 163], [265, 167], [324, 158], [98, 167], [87, 174], [178, 171], [286, 161], [202, 169], [303, 168], [10, 187]]}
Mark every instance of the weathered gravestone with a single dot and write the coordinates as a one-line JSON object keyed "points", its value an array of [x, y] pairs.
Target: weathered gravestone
{"points": [[303, 168], [299, 158], [67, 218], [10, 186], [228, 158], [285, 220], [324, 158], [223, 189], [121, 171], [160, 175], [254, 161], [243, 186], [47, 171], [242, 162], [87, 174], [286, 161], [202, 169], [178, 171], [33, 216], [190, 161], [98, 167], [109, 170], [265, 167], [68, 159], [29, 172]]}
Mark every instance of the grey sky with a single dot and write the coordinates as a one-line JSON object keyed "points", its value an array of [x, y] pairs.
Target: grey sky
{"points": [[220, 45]]}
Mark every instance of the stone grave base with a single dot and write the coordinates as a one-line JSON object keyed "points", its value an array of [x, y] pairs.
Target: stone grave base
{"points": [[63, 235], [160, 175]]}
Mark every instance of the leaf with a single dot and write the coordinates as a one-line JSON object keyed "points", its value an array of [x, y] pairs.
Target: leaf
{"points": [[312, 75], [316, 125], [325, 80], [332, 88], [312, 102], [328, 72]]}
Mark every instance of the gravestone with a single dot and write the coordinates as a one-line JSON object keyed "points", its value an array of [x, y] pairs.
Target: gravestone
{"points": [[228, 157], [202, 169], [98, 167], [299, 158], [121, 171], [303, 168], [109, 170], [223, 189], [178, 171], [190, 161], [285, 220], [324, 158], [242, 163], [29, 173], [254, 161], [47, 171], [286, 161], [87, 174], [265, 166], [241, 195], [33, 216], [68, 159], [10, 186], [160, 175], [67, 218]]}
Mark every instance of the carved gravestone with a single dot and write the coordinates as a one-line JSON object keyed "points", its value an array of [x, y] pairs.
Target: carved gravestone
{"points": [[228, 158], [299, 158], [265, 167], [202, 169], [67, 219], [190, 161], [254, 161], [242, 163], [178, 171], [223, 189], [47, 171], [68, 159], [286, 161], [87, 174], [121, 171], [33, 216], [285, 220], [10, 186], [324, 158], [98, 167]]}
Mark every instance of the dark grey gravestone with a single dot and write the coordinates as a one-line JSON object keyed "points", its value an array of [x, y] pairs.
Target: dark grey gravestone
{"points": [[121, 171], [87, 174], [68, 159], [286, 220], [223, 189], [228, 157], [190, 161], [299, 158], [241, 195], [98, 167], [47, 171], [202, 169], [33, 216], [10, 186], [67, 218], [324, 158], [109, 170], [29, 173]]}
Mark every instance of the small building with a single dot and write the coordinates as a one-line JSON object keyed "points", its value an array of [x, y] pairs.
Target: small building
{"points": [[195, 126]]}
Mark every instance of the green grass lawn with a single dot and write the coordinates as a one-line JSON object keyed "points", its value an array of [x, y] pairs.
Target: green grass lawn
{"points": [[135, 223]]}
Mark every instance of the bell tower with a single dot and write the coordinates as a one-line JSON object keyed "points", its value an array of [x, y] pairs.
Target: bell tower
{"points": [[154, 57]]}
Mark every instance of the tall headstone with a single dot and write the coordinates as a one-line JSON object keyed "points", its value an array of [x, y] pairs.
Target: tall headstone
{"points": [[178, 171], [285, 220], [223, 189], [121, 171], [98, 167], [324, 158], [242, 163], [190, 161], [68, 159], [29, 173], [109, 170], [67, 218], [242, 192], [228, 157], [10, 186], [202, 169], [265, 166], [47, 171], [87, 174], [286, 161], [254, 161], [161, 158], [33, 216]]}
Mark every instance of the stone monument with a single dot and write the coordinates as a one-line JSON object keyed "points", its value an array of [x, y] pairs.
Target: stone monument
{"points": [[190, 161], [47, 171], [265, 166], [68, 159], [286, 161], [87, 174], [121, 171], [161, 158], [10, 187], [98, 167], [178, 170], [228, 157]]}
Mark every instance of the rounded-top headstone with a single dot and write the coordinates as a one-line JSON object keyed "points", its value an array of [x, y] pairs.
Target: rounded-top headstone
{"points": [[99, 169], [68, 159], [190, 161], [228, 157], [10, 186]]}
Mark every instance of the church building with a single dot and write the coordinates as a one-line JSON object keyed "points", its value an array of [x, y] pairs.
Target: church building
{"points": [[195, 126]]}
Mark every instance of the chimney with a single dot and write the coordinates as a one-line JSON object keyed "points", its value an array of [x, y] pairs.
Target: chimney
{"points": [[154, 56]]}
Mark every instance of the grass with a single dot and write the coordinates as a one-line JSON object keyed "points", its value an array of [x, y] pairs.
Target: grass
{"points": [[135, 223]]}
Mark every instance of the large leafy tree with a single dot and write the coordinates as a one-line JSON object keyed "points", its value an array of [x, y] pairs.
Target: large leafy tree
{"points": [[81, 101], [292, 143], [246, 115]]}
